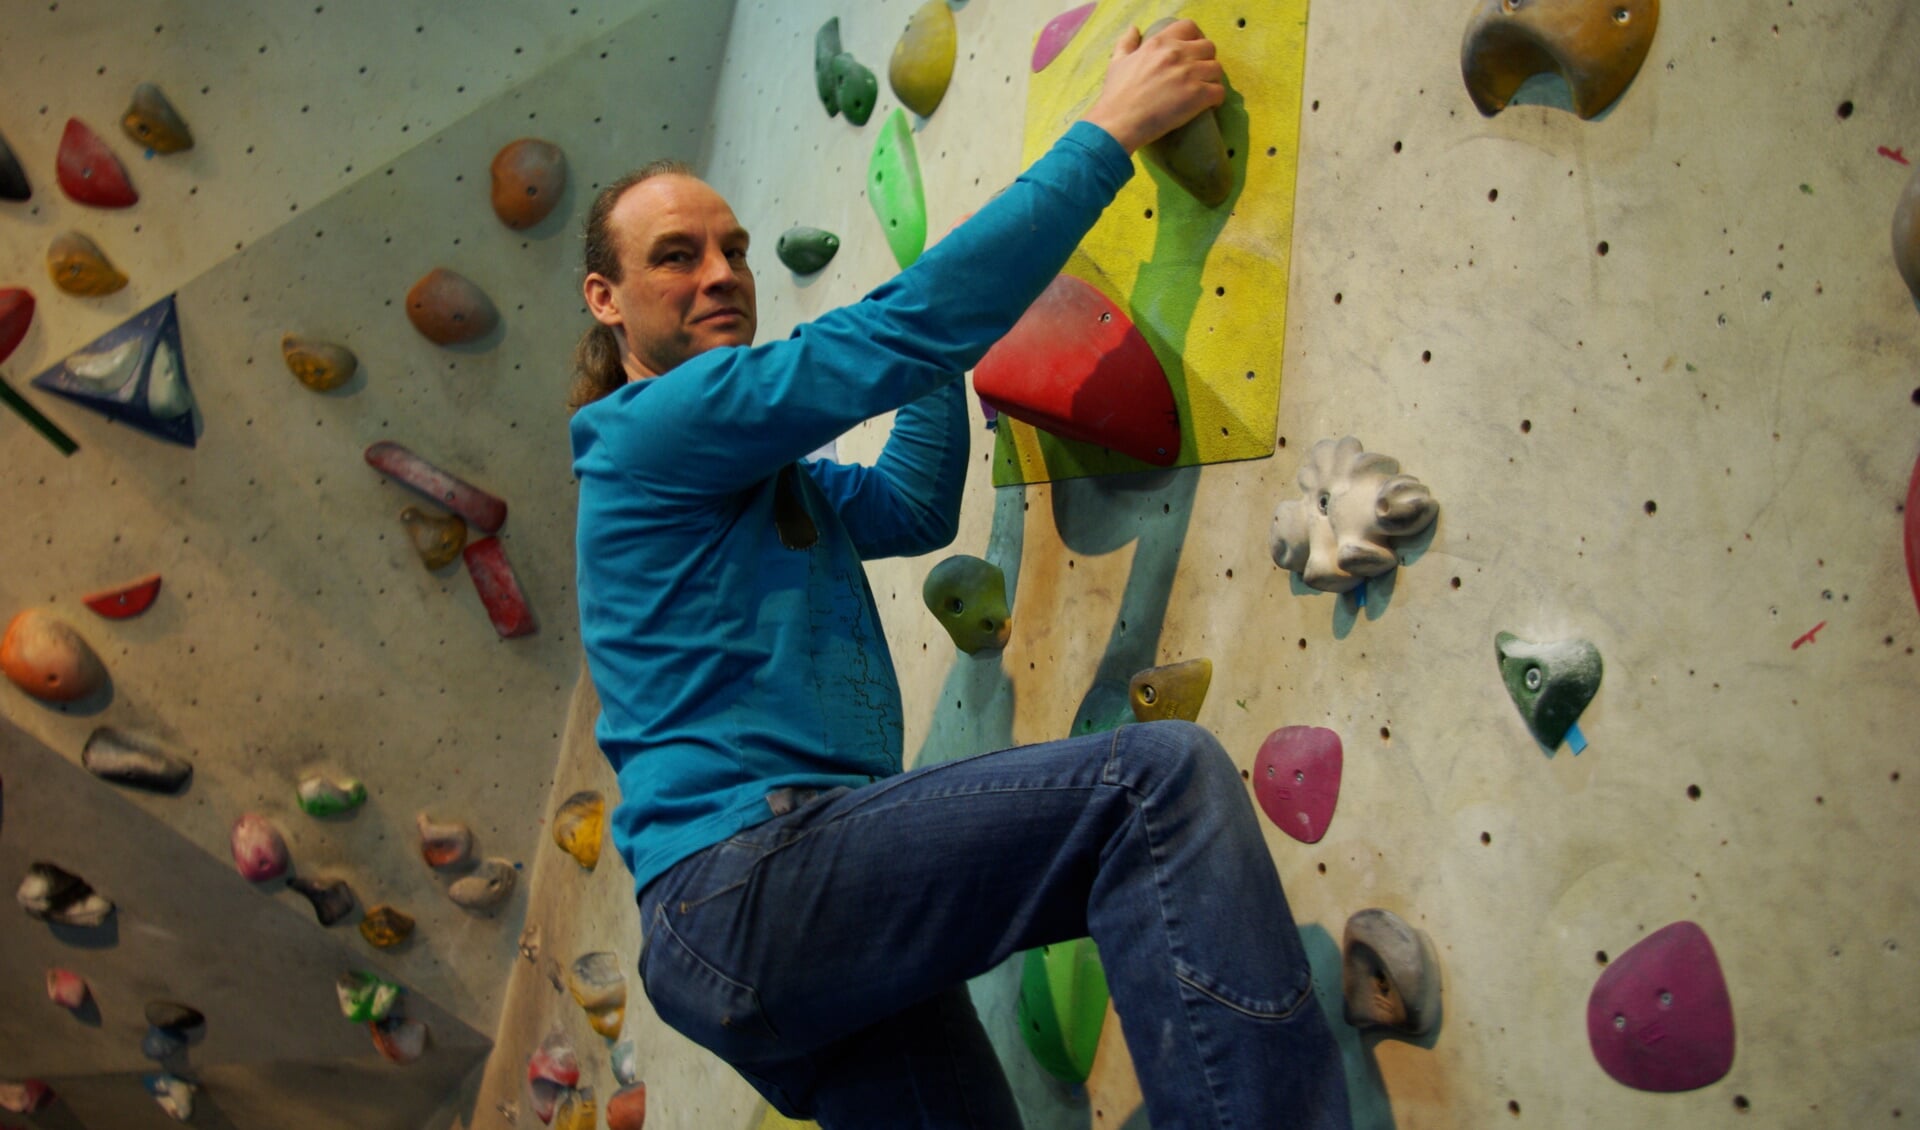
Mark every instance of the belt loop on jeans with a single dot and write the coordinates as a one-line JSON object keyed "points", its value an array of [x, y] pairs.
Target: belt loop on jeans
{"points": [[783, 801]]}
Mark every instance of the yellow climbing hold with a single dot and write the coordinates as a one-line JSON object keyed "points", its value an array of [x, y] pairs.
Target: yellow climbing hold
{"points": [[437, 538], [79, 267], [320, 365], [922, 63], [1173, 691], [580, 825]]}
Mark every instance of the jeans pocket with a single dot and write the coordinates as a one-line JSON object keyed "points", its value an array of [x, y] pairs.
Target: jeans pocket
{"points": [[700, 1001], [1296, 991]]}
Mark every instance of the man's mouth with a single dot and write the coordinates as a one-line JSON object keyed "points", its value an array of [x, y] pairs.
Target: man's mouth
{"points": [[725, 312]]}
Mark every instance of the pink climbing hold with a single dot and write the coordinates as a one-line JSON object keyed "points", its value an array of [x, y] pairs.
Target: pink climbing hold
{"points": [[1296, 778], [88, 171], [16, 314], [552, 1071], [1659, 1018], [258, 850], [1913, 532], [66, 988], [499, 588], [1059, 32], [483, 511], [29, 1096]]}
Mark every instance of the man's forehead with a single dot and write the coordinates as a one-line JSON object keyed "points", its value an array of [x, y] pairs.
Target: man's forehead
{"points": [[671, 204]]}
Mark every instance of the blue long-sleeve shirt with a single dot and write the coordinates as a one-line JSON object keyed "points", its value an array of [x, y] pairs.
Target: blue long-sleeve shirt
{"points": [[729, 665]]}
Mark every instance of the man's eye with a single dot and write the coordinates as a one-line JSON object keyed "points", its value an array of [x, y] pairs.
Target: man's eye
{"points": [[738, 255]]}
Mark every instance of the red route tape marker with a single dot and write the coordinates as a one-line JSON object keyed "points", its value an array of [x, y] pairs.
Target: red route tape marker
{"points": [[1808, 638], [1894, 155]]}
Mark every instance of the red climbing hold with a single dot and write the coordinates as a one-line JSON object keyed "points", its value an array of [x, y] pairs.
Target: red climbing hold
{"points": [[89, 172], [1659, 1018], [126, 601], [1075, 365], [1913, 533], [499, 588], [16, 314], [484, 511], [1296, 778]]}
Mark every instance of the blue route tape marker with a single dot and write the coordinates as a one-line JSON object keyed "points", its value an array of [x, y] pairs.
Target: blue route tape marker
{"points": [[1576, 741], [1360, 595]]}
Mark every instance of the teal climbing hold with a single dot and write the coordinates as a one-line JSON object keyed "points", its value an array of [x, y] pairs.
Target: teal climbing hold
{"points": [[894, 188], [134, 373], [1063, 1003], [806, 250], [1551, 683]]}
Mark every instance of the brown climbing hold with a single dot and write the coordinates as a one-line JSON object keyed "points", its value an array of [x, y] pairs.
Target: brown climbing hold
{"points": [[444, 845], [438, 539], [1173, 691], [46, 658], [528, 177], [580, 825], [627, 1109], [320, 365], [88, 171], [482, 892], [152, 121], [448, 308], [79, 267], [922, 64], [385, 927], [1391, 974], [332, 899], [1906, 235], [1597, 46]]}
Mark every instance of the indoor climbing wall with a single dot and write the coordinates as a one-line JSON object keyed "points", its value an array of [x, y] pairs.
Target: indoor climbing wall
{"points": [[289, 364]]}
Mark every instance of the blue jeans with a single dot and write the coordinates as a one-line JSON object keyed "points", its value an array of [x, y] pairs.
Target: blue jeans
{"points": [[824, 953]]}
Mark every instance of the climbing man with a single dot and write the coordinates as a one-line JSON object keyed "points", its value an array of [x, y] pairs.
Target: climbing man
{"points": [[810, 913]]}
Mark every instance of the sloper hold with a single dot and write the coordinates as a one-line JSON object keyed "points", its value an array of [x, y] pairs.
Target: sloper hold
{"points": [[258, 851], [66, 988], [320, 365], [444, 846], [1906, 241], [826, 48], [437, 538], [806, 250], [29, 1096], [600, 987], [332, 899], [895, 190], [627, 1109], [174, 1094], [1195, 154], [968, 596], [399, 1040], [43, 656], [1075, 365], [321, 796], [13, 178], [134, 373], [486, 888], [1063, 1003], [1659, 1017], [1551, 683], [16, 315], [78, 266], [1354, 506], [484, 511], [53, 894], [1597, 46], [88, 171], [580, 825], [922, 64], [448, 308], [125, 601], [1390, 975], [385, 927], [1296, 779], [528, 177], [130, 759], [365, 997], [152, 121], [855, 89], [499, 589], [1059, 32], [1174, 691]]}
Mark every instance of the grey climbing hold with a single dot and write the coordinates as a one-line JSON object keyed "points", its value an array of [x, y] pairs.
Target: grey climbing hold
{"points": [[332, 899], [486, 888], [136, 761], [53, 894], [1391, 974]]}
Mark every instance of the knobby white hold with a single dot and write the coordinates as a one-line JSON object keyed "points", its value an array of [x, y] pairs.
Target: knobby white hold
{"points": [[1355, 505]]}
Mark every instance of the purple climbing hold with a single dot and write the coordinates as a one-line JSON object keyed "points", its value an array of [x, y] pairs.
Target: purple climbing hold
{"points": [[1296, 778], [332, 899], [258, 850], [1059, 32], [1659, 1018]]}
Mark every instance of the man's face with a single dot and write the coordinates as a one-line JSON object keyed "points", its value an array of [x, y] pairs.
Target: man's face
{"points": [[685, 286]]}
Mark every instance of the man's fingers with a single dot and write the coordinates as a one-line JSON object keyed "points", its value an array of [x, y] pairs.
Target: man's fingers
{"points": [[1128, 44]]}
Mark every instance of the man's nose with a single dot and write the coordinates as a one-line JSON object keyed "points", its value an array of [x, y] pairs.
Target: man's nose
{"points": [[716, 271]]}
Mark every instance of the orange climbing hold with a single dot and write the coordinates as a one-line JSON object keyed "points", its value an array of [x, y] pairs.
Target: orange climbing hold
{"points": [[627, 1109], [88, 171], [152, 121], [580, 825], [448, 308], [78, 266], [528, 177], [46, 658], [127, 601]]}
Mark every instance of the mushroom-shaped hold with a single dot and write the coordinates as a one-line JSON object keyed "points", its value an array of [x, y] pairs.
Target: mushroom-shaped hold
{"points": [[88, 171], [1660, 1017], [968, 596], [320, 365], [1063, 1004], [806, 250], [258, 850], [528, 177], [448, 308], [437, 538], [1597, 46], [152, 121], [78, 266], [1173, 691], [580, 825], [922, 63], [43, 656], [1355, 504], [1551, 683], [484, 890], [1391, 974], [16, 315], [385, 927], [13, 178], [1906, 237]]}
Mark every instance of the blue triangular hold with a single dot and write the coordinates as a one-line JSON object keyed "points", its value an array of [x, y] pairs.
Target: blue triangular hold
{"points": [[134, 373]]}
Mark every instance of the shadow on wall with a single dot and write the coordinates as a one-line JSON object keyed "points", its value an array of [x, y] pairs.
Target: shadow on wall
{"points": [[1366, 1091]]}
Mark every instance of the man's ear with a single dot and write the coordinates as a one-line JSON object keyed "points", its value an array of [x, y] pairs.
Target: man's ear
{"points": [[598, 290]]}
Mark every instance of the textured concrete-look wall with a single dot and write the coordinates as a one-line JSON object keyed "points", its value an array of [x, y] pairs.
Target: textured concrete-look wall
{"points": [[295, 628]]}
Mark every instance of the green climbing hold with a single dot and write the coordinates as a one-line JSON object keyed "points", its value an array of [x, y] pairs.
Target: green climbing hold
{"points": [[922, 63], [322, 797], [826, 48], [1195, 155], [366, 997], [969, 597], [855, 89], [1551, 683], [1063, 1003], [806, 250], [895, 190]]}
